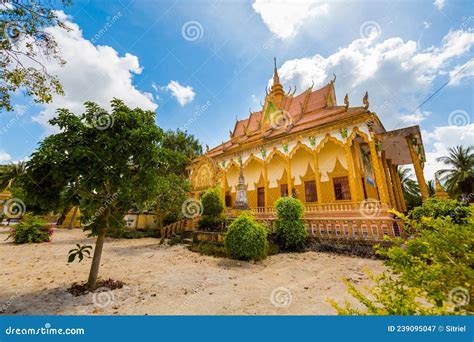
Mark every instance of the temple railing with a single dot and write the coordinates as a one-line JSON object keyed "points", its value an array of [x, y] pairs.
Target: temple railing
{"points": [[365, 208]]}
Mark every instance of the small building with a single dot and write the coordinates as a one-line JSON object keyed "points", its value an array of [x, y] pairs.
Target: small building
{"points": [[339, 160]]}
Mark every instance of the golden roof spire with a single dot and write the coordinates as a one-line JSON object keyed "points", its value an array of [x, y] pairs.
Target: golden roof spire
{"points": [[277, 89]]}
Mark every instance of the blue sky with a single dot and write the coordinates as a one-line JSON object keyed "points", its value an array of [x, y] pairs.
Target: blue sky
{"points": [[200, 64]]}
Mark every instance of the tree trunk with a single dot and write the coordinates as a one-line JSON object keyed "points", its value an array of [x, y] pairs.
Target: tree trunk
{"points": [[94, 272]]}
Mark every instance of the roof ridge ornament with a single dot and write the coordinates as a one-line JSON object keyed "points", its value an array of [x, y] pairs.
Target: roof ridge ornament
{"points": [[365, 100], [346, 101]]}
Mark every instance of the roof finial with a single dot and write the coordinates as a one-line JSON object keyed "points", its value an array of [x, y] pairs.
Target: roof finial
{"points": [[365, 100], [346, 101], [276, 79], [277, 90]]}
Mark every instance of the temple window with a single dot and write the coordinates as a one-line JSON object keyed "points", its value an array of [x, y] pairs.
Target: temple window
{"points": [[284, 190], [228, 199], [341, 188], [310, 191]]}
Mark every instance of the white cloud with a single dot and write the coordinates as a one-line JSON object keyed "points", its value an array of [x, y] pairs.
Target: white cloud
{"points": [[398, 74], [285, 17], [184, 94], [426, 24], [415, 118], [5, 157], [439, 4], [92, 73], [442, 138], [461, 71]]}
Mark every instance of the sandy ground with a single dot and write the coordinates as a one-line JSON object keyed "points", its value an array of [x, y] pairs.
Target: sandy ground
{"points": [[171, 280]]}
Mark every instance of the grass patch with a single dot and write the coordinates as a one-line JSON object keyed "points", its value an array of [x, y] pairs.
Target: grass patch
{"points": [[211, 249]]}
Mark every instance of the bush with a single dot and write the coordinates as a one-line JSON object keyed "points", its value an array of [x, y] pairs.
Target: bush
{"points": [[212, 203], [246, 239], [289, 208], [213, 223], [290, 230], [434, 208], [31, 229]]}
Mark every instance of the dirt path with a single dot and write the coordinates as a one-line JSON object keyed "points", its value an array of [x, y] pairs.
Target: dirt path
{"points": [[171, 280]]}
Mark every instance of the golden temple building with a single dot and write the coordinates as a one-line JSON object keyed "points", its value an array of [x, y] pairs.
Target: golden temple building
{"points": [[338, 160]]}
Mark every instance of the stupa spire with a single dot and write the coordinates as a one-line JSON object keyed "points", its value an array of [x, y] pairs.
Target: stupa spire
{"points": [[277, 89]]}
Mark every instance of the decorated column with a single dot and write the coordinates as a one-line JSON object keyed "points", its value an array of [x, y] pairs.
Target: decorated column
{"points": [[317, 178], [396, 194], [415, 151], [224, 182], [241, 201], [388, 181], [379, 180], [350, 169]]}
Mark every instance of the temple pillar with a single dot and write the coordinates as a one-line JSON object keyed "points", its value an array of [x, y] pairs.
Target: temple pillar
{"points": [[358, 175], [418, 170], [388, 181], [224, 185], [265, 184], [399, 188], [379, 180], [396, 194], [317, 178], [288, 177], [350, 169]]}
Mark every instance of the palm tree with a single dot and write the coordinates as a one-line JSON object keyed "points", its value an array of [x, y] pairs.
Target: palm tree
{"points": [[459, 179], [411, 190], [11, 173]]}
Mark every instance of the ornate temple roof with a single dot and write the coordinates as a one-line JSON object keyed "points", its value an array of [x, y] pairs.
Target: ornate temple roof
{"points": [[284, 113]]}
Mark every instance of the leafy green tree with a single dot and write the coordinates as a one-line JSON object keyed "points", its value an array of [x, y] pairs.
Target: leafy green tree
{"points": [[111, 159], [431, 273], [23, 42], [459, 178], [290, 230], [180, 147], [172, 192]]}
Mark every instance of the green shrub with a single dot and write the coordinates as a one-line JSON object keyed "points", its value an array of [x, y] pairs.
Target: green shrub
{"points": [[31, 229], [434, 208], [246, 239], [212, 203], [289, 208], [212, 223], [290, 230]]}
